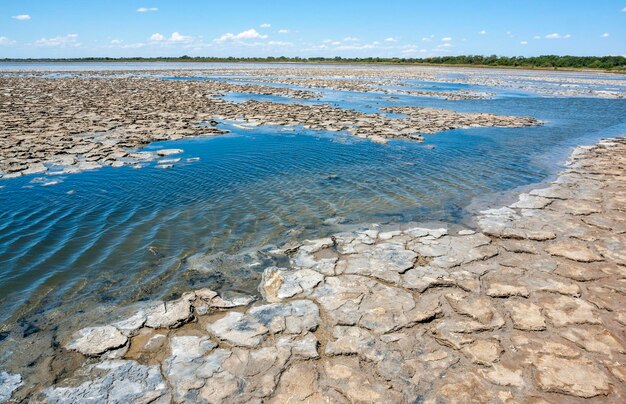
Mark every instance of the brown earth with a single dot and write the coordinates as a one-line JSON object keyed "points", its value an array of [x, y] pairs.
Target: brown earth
{"points": [[531, 308]]}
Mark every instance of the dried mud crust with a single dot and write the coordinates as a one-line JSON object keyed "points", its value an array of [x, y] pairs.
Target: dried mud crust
{"points": [[532, 307], [81, 123]]}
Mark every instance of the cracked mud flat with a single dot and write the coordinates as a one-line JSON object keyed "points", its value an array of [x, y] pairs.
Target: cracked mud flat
{"points": [[374, 85], [368, 78], [65, 125], [546, 83], [531, 308]]}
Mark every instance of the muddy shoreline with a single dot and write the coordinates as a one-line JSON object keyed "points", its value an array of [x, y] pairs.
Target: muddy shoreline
{"points": [[61, 122], [61, 125], [530, 307]]}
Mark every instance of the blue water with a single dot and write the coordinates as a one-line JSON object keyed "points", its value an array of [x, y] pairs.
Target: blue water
{"points": [[115, 236]]}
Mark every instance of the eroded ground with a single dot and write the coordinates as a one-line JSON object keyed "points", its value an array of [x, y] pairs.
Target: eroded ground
{"points": [[531, 308], [85, 120], [81, 122]]}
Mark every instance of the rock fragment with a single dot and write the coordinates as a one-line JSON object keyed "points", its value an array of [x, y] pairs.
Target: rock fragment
{"points": [[169, 314], [576, 377], [93, 341], [565, 311], [483, 352], [573, 250], [123, 381], [526, 315]]}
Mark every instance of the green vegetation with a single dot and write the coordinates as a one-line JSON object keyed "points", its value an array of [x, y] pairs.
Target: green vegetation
{"points": [[547, 61], [613, 63]]}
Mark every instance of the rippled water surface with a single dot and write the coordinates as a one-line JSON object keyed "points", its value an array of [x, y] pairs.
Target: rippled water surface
{"points": [[115, 236]]}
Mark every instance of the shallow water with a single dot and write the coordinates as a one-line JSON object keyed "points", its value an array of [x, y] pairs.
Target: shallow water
{"points": [[116, 236]]}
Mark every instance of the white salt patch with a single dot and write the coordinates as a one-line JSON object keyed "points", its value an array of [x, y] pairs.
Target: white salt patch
{"points": [[169, 152], [168, 161]]}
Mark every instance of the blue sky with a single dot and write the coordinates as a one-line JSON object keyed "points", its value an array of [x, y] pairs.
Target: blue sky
{"points": [[66, 28]]}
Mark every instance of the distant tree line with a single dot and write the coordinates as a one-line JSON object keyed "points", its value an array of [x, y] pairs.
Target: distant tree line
{"points": [[544, 62]]}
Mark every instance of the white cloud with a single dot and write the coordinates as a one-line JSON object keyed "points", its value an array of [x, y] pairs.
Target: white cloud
{"points": [[121, 45], [426, 39], [483, 32], [69, 40], [265, 25], [4, 41], [249, 34], [624, 10], [283, 31], [558, 36], [524, 42], [350, 44], [606, 35], [177, 37], [391, 39], [356, 46], [21, 17], [446, 39], [279, 43], [116, 42], [146, 9], [537, 37], [445, 45]]}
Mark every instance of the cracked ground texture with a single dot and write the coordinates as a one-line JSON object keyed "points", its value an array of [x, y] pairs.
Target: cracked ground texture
{"points": [[529, 308], [80, 123]]}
